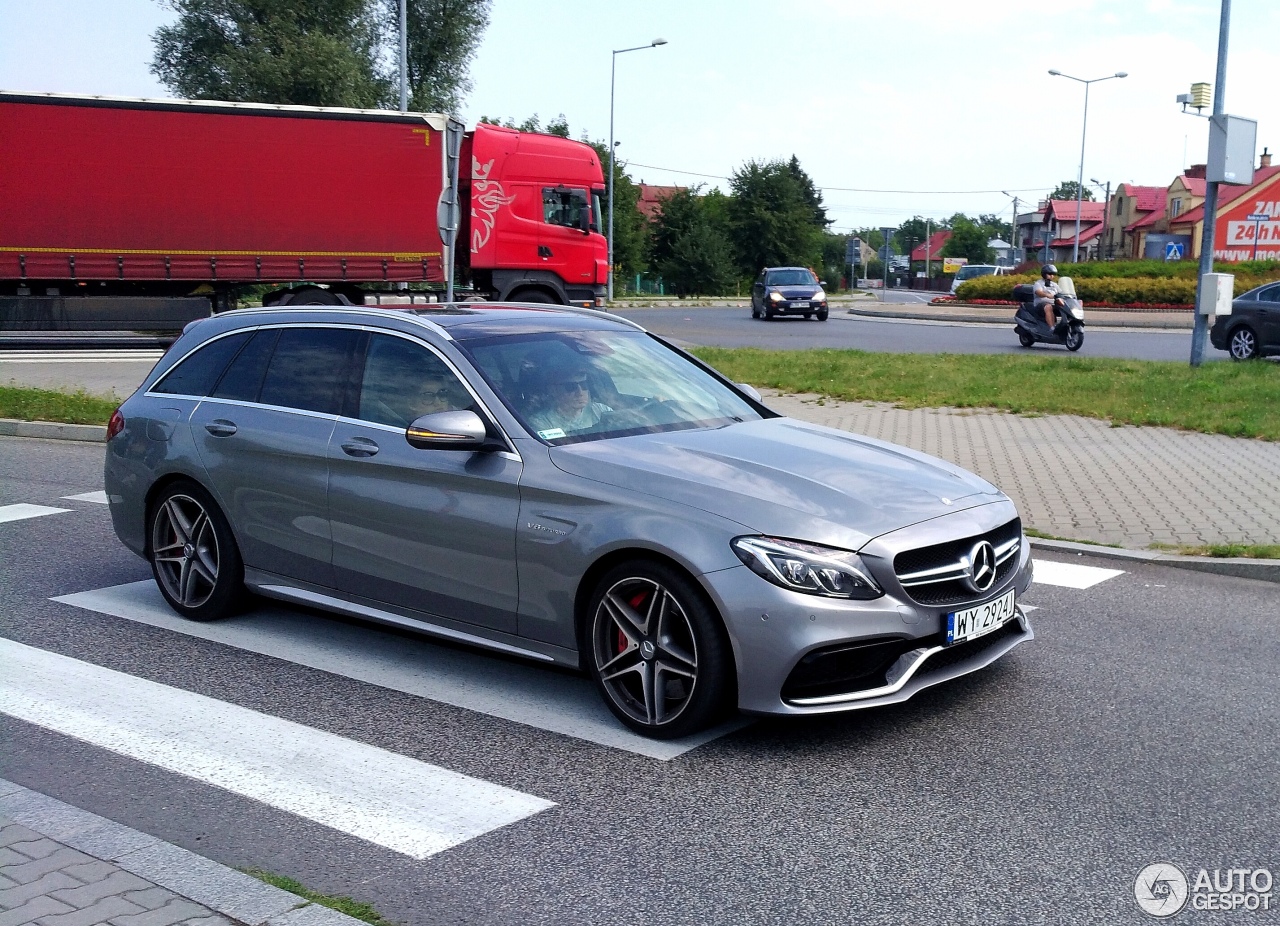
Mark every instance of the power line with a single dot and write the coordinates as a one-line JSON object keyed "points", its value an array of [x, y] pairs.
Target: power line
{"points": [[853, 189]]}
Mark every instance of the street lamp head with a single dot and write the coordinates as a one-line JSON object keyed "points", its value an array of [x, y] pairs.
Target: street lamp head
{"points": [[657, 42], [1122, 73], [1055, 73]]}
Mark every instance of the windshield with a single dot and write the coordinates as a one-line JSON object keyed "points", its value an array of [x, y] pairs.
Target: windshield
{"points": [[790, 278], [576, 386], [596, 224], [978, 270]]}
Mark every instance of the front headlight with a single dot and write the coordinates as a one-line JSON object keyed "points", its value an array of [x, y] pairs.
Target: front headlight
{"points": [[819, 296], [807, 567], [775, 297]]}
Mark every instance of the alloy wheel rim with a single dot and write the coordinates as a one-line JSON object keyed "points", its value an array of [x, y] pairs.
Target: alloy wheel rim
{"points": [[645, 651], [1242, 345], [184, 548]]}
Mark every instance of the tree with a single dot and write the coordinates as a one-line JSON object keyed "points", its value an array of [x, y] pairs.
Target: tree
{"points": [[1067, 189], [772, 217], [630, 231], [996, 227], [443, 38], [969, 240], [690, 247], [912, 232], [320, 53]]}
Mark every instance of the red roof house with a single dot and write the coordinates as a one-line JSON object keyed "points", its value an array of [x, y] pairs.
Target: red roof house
{"points": [[651, 197], [933, 247]]}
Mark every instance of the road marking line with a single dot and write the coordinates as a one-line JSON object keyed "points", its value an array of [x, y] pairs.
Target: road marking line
{"points": [[23, 511], [99, 498], [385, 798], [1071, 575], [536, 696]]}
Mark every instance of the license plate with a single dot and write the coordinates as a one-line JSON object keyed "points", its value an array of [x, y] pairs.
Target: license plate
{"points": [[974, 622], [799, 303]]}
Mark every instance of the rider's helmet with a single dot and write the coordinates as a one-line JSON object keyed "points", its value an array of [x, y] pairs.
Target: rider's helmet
{"points": [[1048, 270]]}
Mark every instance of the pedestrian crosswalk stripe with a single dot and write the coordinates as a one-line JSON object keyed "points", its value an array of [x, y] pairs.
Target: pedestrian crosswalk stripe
{"points": [[21, 512], [536, 696], [97, 497], [388, 799], [1072, 575]]}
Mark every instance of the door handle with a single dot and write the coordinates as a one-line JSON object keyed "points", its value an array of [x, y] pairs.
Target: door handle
{"points": [[221, 427], [544, 251], [359, 447]]}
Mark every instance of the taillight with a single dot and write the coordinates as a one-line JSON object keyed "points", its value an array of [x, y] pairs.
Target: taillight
{"points": [[115, 425]]}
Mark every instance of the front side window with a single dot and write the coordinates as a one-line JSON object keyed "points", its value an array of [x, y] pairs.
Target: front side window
{"points": [[243, 379], [403, 381], [590, 385], [565, 207], [797, 277], [309, 368]]}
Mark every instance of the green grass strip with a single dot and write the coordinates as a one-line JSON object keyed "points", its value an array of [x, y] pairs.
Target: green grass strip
{"points": [[1237, 399], [79, 407], [1224, 550], [353, 908]]}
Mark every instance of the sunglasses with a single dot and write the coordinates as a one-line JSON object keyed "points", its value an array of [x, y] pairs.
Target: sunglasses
{"points": [[573, 386]]}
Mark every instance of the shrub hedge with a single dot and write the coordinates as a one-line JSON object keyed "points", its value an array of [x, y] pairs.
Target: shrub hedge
{"points": [[1136, 290]]}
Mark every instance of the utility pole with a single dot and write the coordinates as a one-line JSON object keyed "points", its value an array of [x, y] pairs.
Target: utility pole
{"points": [[404, 56], [1200, 333], [928, 240]]}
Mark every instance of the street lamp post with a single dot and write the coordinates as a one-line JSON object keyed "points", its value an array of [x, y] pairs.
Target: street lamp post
{"points": [[613, 75], [1075, 254]]}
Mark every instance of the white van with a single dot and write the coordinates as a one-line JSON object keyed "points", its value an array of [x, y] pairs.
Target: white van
{"points": [[972, 271]]}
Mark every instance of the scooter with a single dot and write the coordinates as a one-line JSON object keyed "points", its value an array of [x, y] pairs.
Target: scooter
{"points": [[1029, 320]]}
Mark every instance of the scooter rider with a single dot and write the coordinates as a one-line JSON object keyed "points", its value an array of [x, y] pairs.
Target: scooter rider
{"points": [[1045, 292]]}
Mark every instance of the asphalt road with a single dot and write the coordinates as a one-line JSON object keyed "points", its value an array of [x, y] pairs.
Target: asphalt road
{"points": [[1139, 726], [716, 326]]}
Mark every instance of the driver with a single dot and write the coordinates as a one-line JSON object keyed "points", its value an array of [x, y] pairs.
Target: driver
{"points": [[1045, 292], [566, 401]]}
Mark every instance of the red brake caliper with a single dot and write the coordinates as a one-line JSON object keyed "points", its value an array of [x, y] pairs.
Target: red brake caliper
{"points": [[635, 603]]}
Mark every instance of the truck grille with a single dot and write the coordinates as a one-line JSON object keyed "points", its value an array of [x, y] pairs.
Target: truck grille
{"points": [[936, 575]]}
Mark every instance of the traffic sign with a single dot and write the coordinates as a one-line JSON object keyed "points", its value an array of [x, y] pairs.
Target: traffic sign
{"points": [[1257, 217], [1173, 250]]}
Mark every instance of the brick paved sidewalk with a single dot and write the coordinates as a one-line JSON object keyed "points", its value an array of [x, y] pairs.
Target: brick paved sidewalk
{"points": [[1083, 479], [62, 866]]}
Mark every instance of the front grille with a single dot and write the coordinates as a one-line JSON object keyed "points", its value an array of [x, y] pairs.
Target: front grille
{"points": [[970, 648], [935, 575]]}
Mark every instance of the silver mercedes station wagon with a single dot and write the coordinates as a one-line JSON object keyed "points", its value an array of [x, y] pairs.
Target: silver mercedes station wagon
{"points": [[562, 486]]}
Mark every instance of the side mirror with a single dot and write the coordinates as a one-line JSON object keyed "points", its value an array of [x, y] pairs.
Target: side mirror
{"points": [[458, 430], [750, 390], [584, 221]]}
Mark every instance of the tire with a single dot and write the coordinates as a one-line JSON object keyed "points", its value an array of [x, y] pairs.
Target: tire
{"points": [[808, 315], [1243, 343], [755, 313], [649, 630], [1025, 339], [768, 313], [311, 295], [822, 315], [193, 554], [1074, 339], [536, 296]]}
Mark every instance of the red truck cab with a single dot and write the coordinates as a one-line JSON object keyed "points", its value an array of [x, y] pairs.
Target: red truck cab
{"points": [[533, 229]]}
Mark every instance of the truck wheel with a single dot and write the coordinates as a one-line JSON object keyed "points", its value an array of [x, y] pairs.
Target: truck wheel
{"points": [[311, 295], [536, 296]]}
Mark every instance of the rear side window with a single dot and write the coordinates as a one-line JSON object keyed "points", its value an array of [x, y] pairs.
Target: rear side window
{"points": [[309, 369], [243, 378], [196, 374]]}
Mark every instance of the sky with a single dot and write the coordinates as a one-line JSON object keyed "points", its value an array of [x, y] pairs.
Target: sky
{"points": [[943, 102]]}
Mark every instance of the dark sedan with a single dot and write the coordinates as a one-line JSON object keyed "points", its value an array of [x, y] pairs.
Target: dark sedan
{"points": [[788, 291], [1253, 327]]}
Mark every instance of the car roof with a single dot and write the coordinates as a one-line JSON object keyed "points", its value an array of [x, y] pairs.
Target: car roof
{"points": [[455, 321], [770, 269]]}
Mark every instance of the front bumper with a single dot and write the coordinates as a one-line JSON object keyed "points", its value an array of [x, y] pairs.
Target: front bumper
{"points": [[796, 307], [804, 654]]}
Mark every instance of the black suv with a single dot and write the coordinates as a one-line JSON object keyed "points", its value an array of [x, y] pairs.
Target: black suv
{"points": [[788, 291], [1253, 327]]}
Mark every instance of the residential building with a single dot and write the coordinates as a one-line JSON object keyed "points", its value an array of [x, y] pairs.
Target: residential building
{"points": [[932, 249], [1130, 205], [651, 197], [1060, 226]]}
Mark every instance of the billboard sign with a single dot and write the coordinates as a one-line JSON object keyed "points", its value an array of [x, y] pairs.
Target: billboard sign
{"points": [[1250, 228]]}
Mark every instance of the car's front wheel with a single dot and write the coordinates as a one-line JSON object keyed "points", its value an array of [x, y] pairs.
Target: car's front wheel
{"points": [[193, 554], [659, 654], [1243, 344]]}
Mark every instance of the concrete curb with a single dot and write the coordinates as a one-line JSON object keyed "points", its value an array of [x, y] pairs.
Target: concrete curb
{"points": [[1266, 570], [949, 316], [234, 894], [52, 430]]}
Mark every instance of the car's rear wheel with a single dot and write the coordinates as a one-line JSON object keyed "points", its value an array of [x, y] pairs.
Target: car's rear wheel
{"points": [[193, 554], [659, 654], [1243, 344]]}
